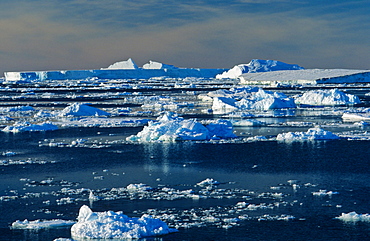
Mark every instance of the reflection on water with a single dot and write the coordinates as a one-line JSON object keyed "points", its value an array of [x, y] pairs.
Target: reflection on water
{"points": [[248, 172]]}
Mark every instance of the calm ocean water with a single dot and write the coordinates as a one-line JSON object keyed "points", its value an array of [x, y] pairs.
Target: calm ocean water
{"points": [[338, 166]]}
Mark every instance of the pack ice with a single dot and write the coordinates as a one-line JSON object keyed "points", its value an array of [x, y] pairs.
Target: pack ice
{"points": [[170, 128], [116, 225]]}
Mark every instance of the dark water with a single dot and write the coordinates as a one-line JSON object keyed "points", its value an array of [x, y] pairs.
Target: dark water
{"points": [[340, 166]]}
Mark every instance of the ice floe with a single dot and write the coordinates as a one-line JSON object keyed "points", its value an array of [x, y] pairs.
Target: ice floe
{"points": [[330, 97], [354, 217], [170, 128], [323, 192], [26, 126], [116, 225], [42, 224], [311, 134]]}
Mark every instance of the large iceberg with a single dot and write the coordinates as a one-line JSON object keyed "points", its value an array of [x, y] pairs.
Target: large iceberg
{"points": [[255, 66], [311, 134], [158, 65], [28, 127], [128, 64], [116, 225], [120, 70], [170, 128], [330, 97], [307, 76]]}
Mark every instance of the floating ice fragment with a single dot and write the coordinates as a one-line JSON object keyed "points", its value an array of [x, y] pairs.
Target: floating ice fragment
{"points": [[208, 182], [170, 128], [327, 98], [324, 193], [77, 109], [116, 225], [311, 134], [40, 224], [354, 217], [25, 126]]}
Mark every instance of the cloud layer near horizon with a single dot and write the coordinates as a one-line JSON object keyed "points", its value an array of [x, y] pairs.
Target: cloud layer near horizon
{"points": [[85, 34]]}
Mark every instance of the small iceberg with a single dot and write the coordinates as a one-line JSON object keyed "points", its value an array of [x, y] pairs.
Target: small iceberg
{"points": [[331, 97], [25, 126], [41, 224], [311, 134], [354, 217], [116, 225], [78, 109], [171, 128], [247, 98]]}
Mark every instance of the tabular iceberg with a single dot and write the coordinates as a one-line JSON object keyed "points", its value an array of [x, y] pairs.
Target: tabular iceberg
{"points": [[116, 225], [119, 70]]}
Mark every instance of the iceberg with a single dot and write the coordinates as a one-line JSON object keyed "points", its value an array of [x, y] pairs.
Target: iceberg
{"points": [[77, 109], [128, 64], [116, 225], [158, 65], [311, 134], [119, 70], [249, 98], [331, 97], [307, 76], [42, 224], [255, 66], [25, 126], [171, 128], [356, 116], [354, 217]]}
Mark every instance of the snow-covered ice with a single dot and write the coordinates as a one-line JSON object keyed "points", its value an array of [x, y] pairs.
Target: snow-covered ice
{"points": [[116, 225], [78, 109], [330, 97], [307, 76], [42, 224], [354, 217], [170, 128], [26, 126], [237, 99], [257, 65]]}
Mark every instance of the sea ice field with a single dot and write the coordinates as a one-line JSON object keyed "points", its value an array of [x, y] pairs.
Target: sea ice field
{"points": [[184, 158]]}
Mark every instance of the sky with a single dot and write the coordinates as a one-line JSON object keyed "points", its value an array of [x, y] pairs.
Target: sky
{"points": [[92, 34]]}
